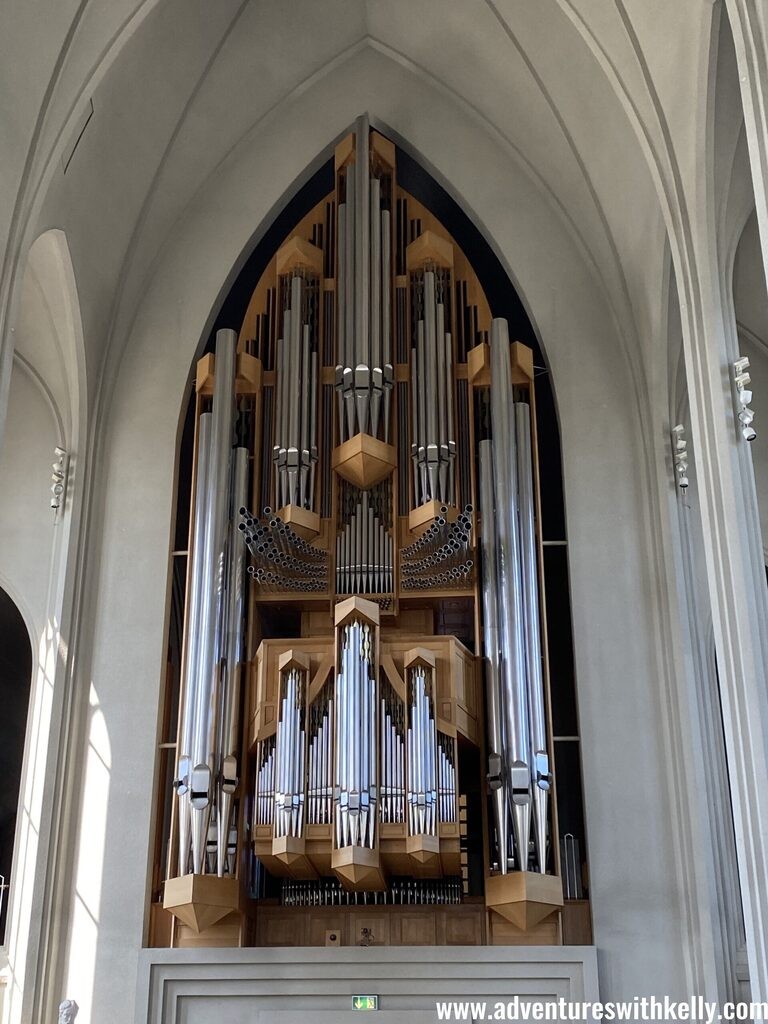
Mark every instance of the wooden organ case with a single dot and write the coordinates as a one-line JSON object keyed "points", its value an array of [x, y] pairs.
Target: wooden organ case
{"points": [[364, 706]]}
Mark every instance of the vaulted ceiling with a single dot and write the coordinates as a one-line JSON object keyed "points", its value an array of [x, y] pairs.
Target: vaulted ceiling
{"points": [[601, 101]]}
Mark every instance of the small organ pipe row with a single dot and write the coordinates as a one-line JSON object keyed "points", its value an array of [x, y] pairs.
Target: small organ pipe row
{"points": [[439, 558], [294, 451], [433, 444], [328, 892], [282, 559], [519, 774], [320, 790], [440, 532], [446, 758], [207, 769], [392, 756], [456, 576], [364, 375], [264, 797], [290, 753], [422, 754], [355, 788], [364, 553]]}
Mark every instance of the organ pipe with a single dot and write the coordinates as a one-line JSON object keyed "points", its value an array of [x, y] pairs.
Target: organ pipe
{"points": [[422, 753], [190, 678], [294, 453], [510, 598], [364, 374], [392, 754], [364, 553], [540, 772], [227, 746], [497, 777], [291, 754], [433, 449], [355, 776], [206, 771], [320, 793]]}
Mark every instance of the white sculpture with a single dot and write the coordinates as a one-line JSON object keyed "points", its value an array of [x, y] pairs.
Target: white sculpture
{"points": [[68, 1011]]}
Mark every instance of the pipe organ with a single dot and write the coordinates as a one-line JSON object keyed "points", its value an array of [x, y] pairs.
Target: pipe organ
{"points": [[365, 475]]}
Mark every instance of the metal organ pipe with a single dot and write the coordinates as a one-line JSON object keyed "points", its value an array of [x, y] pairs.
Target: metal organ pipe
{"points": [[294, 452], [433, 446], [233, 655], [265, 782], [541, 777], [386, 318], [320, 771], [422, 741], [364, 374], [364, 553], [209, 727], [497, 780], [447, 777], [291, 755], [193, 633], [355, 783], [213, 574], [511, 629]]}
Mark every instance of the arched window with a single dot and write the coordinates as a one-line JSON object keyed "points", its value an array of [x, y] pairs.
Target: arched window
{"points": [[15, 681]]}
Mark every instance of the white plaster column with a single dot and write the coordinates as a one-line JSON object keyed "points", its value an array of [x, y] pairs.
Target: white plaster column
{"points": [[736, 581], [749, 26]]}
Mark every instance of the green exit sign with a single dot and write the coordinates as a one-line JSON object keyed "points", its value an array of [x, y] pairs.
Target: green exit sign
{"points": [[365, 1002]]}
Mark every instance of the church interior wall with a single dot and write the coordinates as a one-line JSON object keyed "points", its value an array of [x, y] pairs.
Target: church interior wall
{"points": [[202, 153]]}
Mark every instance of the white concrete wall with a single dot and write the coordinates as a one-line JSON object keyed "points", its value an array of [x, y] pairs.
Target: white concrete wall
{"points": [[281, 986]]}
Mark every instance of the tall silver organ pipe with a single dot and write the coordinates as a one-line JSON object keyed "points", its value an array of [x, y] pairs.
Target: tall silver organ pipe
{"points": [[422, 753], [192, 630], [497, 777], [355, 776], [541, 777], [433, 447], [294, 453], [364, 374], [210, 562], [510, 603], [282, 559], [227, 744]]}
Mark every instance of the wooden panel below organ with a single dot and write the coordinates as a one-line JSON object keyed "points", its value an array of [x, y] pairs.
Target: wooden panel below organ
{"points": [[462, 925]]}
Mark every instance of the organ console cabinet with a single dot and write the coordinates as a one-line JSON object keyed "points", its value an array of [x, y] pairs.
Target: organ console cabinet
{"points": [[364, 706]]}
